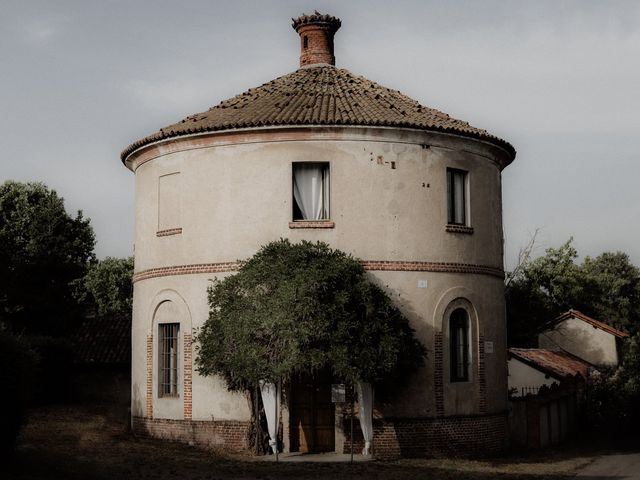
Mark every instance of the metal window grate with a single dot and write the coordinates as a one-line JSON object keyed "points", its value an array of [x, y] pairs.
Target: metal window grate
{"points": [[168, 359]]}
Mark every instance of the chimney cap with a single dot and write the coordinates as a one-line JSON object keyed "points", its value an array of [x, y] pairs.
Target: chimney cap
{"points": [[316, 18]]}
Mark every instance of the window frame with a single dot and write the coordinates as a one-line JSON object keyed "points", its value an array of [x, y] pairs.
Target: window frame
{"points": [[451, 197], [459, 324], [168, 372], [326, 200]]}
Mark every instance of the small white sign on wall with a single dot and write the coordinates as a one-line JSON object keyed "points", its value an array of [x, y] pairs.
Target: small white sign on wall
{"points": [[422, 284], [488, 347]]}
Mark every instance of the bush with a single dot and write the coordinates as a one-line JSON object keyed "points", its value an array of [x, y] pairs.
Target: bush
{"points": [[613, 397], [17, 367]]}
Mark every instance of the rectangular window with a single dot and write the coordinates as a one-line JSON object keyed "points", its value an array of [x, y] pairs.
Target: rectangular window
{"points": [[311, 191], [456, 197], [459, 345], [168, 359], [169, 202]]}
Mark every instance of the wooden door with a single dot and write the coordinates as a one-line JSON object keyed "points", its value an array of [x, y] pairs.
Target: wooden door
{"points": [[312, 414]]}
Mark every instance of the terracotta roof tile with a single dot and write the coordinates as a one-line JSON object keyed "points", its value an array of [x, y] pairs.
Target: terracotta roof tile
{"points": [[104, 340], [558, 364], [592, 321], [319, 95]]}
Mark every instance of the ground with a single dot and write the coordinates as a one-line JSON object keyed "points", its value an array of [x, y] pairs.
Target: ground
{"points": [[92, 442]]}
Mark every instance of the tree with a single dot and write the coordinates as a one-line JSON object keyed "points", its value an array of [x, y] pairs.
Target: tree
{"points": [[43, 251], [606, 287], [613, 290], [296, 308], [108, 283]]}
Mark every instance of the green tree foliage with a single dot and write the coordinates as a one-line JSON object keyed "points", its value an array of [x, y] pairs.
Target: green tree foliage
{"points": [[108, 283], [613, 290], [43, 251], [295, 308], [606, 287], [614, 396]]}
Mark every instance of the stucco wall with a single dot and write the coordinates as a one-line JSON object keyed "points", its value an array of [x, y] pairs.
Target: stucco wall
{"points": [[236, 195], [582, 340], [522, 375]]}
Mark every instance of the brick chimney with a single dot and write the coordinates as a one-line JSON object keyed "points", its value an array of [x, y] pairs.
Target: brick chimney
{"points": [[316, 38]]}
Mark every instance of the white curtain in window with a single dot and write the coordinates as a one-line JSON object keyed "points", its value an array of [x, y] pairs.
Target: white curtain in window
{"points": [[458, 192], [365, 400], [309, 190], [270, 400]]}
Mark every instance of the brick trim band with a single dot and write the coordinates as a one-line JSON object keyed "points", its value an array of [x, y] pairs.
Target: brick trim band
{"points": [[186, 270], [458, 229], [168, 232], [373, 265], [440, 267], [312, 224]]}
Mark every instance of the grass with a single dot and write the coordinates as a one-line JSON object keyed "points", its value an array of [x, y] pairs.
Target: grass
{"points": [[92, 442]]}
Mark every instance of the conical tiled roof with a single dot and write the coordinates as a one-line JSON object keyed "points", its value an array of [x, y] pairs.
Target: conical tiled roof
{"points": [[319, 95]]}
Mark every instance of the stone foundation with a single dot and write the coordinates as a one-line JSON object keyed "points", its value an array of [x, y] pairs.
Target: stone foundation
{"points": [[433, 437], [227, 434]]}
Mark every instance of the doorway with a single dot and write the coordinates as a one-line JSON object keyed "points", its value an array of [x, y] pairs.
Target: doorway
{"points": [[312, 414]]}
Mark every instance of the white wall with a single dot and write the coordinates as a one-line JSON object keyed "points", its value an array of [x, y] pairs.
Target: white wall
{"points": [[582, 340], [522, 375]]}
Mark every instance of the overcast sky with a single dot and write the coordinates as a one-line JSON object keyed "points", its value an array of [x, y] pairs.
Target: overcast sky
{"points": [[80, 80]]}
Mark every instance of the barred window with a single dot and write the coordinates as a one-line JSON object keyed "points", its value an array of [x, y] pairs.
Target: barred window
{"points": [[168, 359]]}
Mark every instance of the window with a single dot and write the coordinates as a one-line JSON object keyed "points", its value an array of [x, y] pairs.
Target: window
{"points": [[311, 191], [169, 204], [456, 197], [459, 345], [168, 359], [305, 42]]}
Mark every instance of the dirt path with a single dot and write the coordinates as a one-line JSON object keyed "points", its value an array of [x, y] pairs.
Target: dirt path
{"points": [[73, 442], [613, 467]]}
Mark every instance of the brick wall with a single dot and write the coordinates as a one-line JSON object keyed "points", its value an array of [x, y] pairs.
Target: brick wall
{"points": [[149, 399], [319, 43], [438, 374], [229, 435], [482, 379], [433, 437], [188, 367]]}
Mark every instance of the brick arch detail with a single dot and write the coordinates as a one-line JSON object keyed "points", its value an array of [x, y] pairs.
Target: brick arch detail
{"points": [[170, 295], [454, 298]]}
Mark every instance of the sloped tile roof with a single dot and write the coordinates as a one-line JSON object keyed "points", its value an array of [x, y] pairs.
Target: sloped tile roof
{"points": [[104, 340], [558, 364], [591, 321], [319, 95]]}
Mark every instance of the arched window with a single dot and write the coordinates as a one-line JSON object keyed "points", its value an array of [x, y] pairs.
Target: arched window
{"points": [[459, 345]]}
